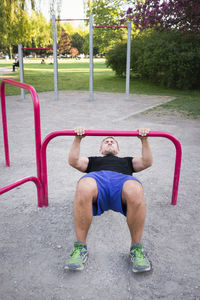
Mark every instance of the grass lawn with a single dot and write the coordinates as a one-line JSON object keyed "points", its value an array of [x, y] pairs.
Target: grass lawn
{"points": [[74, 75]]}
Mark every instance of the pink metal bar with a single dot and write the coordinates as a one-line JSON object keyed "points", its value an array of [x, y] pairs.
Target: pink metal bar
{"points": [[52, 135], [36, 107], [22, 181], [37, 48], [112, 26]]}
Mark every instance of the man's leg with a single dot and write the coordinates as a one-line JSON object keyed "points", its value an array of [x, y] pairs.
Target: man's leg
{"points": [[86, 195], [133, 197]]}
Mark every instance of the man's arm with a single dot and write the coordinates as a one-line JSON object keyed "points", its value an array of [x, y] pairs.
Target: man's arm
{"points": [[77, 162], [146, 160]]}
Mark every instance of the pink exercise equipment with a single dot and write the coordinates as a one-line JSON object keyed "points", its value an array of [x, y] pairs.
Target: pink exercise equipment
{"points": [[36, 107], [41, 156]]}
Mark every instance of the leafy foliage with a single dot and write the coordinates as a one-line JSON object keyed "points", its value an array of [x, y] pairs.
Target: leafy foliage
{"points": [[181, 15], [166, 58], [64, 44], [106, 12], [77, 41]]}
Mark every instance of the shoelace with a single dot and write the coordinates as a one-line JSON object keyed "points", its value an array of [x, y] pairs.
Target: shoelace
{"points": [[76, 252], [139, 253]]}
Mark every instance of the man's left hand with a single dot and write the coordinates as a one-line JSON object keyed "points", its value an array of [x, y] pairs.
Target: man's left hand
{"points": [[143, 132]]}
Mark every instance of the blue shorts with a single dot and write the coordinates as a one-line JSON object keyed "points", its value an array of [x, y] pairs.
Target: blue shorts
{"points": [[109, 186]]}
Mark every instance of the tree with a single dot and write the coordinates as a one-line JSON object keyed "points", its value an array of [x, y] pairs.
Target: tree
{"points": [[107, 12], [40, 31], [181, 15], [14, 24], [77, 41], [64, 44]]}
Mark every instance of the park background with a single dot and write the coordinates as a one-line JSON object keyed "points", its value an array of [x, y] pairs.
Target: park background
{"points": [[164, 69], [165, 53]]}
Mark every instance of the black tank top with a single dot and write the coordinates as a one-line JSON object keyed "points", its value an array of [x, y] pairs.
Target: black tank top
{"points": [[110, 163]]}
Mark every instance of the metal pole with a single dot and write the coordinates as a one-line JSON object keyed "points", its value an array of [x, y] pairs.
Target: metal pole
{"points": [[21, 69], [55, 61], [91, 56], [128, 61]]}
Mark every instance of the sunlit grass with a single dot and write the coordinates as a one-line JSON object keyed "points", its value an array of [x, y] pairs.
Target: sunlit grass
{"points": [[74, 75]]}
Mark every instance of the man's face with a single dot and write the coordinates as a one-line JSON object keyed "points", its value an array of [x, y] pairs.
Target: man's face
{"points": [[109, 146]]}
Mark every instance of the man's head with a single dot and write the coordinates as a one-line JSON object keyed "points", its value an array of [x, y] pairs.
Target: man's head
{"points": [[109, 145]]}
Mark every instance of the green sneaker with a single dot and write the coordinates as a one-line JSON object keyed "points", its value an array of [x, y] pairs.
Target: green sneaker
{"points": [[139, 259], [78, 257]]}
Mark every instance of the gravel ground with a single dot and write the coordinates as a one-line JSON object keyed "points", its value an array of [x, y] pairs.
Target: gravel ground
{"points": [[35, 242]]}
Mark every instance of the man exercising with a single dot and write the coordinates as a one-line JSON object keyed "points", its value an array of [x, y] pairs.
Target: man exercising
{"points": [[109, 184]]}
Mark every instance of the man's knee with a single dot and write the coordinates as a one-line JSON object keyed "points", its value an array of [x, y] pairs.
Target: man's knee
{"points": [[132, 193], [87, 188]]}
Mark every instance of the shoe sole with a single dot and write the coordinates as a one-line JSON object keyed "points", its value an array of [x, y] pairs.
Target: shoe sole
{"points": [[147, 269], [142, 271], [74, 267]]}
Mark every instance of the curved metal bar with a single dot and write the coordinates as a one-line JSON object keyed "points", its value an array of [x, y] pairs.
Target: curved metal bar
{"points": [[54, 134], [36, 107], [22, 181]]}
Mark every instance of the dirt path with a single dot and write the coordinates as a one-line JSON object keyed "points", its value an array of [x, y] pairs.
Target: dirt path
{"points": [[34, 242]]}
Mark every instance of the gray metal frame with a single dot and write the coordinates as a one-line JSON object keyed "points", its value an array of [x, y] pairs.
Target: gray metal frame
{"points": [[91, 71], [91, 75], [55, 59], [21, 69], [128, 61]]}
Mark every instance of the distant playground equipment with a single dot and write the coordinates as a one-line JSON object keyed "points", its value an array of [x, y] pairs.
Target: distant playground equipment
{"points": [[21, 63], [91, 71], [40, 147], [91, 26]]}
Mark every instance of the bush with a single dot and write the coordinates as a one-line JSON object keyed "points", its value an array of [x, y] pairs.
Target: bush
{"points": [[166, 58], [116, 59]]}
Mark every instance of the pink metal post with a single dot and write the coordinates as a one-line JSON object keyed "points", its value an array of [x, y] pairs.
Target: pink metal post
{"points": [[52, 135], [22, 181], [36, 107]]}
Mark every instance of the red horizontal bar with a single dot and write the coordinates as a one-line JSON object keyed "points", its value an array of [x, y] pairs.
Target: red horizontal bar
{"points": [[37, 48], [110, 26], [167, 135], [72, 19]]}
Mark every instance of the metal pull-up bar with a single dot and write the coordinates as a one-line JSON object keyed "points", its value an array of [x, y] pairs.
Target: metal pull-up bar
{"points": [[21, 63], [112, 26], [52, 135], [91, 73], [71, 20], [27, 48]]}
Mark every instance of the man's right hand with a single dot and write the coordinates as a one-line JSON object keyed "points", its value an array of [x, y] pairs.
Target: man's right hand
{"points": [[80, 131], [77, 162]]}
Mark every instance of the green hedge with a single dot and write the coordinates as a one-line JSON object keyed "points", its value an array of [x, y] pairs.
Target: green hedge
{"points": [[166, 58]]}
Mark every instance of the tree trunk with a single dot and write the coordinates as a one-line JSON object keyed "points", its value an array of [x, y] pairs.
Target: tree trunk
{"points": [[10, 52]]}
